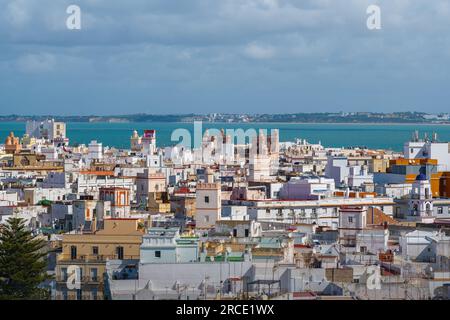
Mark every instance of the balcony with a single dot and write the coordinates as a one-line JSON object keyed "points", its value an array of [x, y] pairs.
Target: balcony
{"points": [[84, 279], [93, 258], [426, 213]]}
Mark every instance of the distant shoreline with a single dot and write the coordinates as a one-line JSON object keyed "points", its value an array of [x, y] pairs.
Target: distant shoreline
{"points": [[413, 118], [250, 122]]}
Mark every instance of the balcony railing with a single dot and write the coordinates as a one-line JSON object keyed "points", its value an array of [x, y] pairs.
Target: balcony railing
{"points": [[427, 213], [84, 279], [94, 258]]}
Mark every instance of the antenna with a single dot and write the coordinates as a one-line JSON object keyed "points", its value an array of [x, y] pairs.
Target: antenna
{"points": [[435, 137]]}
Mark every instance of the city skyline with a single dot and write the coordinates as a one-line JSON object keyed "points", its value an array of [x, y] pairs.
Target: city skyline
{"points": [[259, 56]]}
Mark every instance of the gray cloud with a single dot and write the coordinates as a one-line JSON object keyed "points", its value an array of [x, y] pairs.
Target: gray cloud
{"points": [[230, 55]]}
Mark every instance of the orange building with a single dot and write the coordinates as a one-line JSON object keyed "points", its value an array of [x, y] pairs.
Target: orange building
{"points": [[410, 168], [119, 198], [12, 144], [444, 184]]}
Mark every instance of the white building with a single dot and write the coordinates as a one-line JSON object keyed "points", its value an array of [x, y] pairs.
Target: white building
{"points": [[148, 141], [8, 198], [428, 149], [208, 205], [337, 169], [307, 188], [323, 212], [32, 196], [358, 176], [95, 151], [259, 167], [395, 190], [48, 129], [421, 200], [234, 213], [50, 153], [90, 183], [418, 245]]}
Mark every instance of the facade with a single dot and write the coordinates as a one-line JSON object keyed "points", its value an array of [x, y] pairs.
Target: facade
{"points": [[12, 144], [119, 199], [147, 182], [166, 245], [324, 212], [421, 202], [428, 149], [352, 221], [95, 151], [208, 205], [307, 188], [87, 254], [48, 130]]}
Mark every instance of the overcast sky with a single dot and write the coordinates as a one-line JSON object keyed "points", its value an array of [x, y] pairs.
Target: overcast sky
{"points": [[201, 56]]}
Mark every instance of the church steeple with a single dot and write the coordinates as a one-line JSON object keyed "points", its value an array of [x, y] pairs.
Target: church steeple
{"points": [[421, 200]]}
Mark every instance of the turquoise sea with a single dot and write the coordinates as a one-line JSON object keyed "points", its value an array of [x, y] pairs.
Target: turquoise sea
{"points": [[387, 136]]}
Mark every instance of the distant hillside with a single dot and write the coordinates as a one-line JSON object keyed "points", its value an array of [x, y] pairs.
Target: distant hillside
{"points": [[350, 117]]}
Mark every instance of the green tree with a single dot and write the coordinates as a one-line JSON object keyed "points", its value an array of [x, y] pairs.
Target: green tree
{"points": [[23, 262]]}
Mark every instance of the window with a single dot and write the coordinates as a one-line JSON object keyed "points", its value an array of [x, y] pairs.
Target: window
{"points": [[246, 233], [119, 252], [73, 252], [94, 294], [440, 210], [350, 219], [94, 274], [79, 294], [206, 199], [95, 250], [235, 233], [157, 254], [64, 274]]}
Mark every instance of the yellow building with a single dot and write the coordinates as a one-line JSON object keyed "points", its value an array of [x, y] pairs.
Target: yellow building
{"points": [[158, 202], [120, 239], [379, 165], [27, 161]]}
